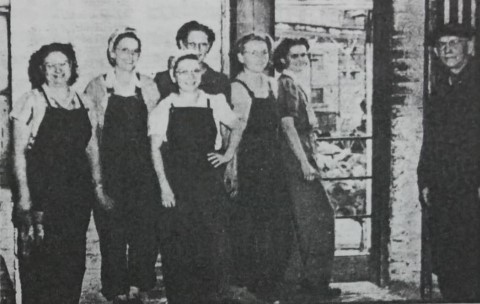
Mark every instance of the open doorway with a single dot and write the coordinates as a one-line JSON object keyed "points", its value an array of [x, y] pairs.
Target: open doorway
{"points": [[340, 34]]}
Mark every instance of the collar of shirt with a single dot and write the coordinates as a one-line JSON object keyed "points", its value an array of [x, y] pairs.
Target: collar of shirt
{"points": [[129, 90], [201, 100], [305, 87], [70, 102]]}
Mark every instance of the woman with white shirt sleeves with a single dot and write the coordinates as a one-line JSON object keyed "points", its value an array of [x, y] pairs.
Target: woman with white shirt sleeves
{"points": [[52, 133], [126, 185], [193, 242]]}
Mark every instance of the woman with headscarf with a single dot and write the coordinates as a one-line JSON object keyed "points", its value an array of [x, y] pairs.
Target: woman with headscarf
{"points": [[193, 243], [125, 177], [52, 133]]}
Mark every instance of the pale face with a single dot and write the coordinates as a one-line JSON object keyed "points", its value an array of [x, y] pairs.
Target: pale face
{"points": [[297, 59], [255, 56], [126, 54], [57, 69], [188, 75], [453, 52], [197, 41]]}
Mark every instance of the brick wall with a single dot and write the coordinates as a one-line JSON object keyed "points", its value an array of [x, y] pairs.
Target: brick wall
{"points": [[407, 96]]}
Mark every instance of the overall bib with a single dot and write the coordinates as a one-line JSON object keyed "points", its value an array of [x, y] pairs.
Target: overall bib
{"points": [[130, 180], [193, 246], [262, 223], [60, 183]]}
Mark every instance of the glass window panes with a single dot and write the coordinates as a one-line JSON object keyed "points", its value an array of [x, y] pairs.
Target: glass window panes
{"points": [[346, 157], [352, 235], [350, 198]]}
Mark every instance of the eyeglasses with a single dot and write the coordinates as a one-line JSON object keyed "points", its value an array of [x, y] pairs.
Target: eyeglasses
{"points": [[257, 53], [298, 55], [198, 46], [125, 52], [54, 66], [442, 45], [195, 72]]}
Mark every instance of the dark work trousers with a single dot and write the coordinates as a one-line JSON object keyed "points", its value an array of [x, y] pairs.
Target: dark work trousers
{"points": [[53, 273], [60, 184], [261, 221], [455, 226], [129, 179], [314, 222], [193, 241]]}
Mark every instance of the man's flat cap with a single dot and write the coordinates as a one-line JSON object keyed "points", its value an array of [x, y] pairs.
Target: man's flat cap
{"points": [[452, 29]]}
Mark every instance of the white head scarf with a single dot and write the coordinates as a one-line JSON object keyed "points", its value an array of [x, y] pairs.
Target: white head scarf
{"points": [[113, 37], [174, 58]]}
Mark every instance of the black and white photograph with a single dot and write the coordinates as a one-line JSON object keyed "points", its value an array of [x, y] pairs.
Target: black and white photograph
{"points": [[239, 151]]}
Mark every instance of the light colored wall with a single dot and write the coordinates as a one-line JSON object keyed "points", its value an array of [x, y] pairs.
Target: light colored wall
{"points": [[87, 24]]}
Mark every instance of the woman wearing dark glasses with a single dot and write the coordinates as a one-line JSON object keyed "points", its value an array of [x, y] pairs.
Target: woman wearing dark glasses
{"points": [[313, 214]]}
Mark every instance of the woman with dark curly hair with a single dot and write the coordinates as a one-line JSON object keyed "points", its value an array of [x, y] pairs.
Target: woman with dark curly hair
{"points": [[313, 214], [52, 136]]}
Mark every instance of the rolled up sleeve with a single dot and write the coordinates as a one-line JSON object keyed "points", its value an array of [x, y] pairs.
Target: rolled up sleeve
{"points": [[23, 108], [288, 98], [158, 120]]}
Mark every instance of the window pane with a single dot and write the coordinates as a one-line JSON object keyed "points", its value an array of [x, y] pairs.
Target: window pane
{"points": [[343, 158], [352, 235], [349, 197]]}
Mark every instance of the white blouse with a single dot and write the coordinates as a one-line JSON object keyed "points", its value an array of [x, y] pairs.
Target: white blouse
{"points": [[222, 113]]}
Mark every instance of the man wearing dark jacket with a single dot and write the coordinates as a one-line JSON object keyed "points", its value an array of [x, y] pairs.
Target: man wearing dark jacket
{"points": [[199, 38], [449, 167]]}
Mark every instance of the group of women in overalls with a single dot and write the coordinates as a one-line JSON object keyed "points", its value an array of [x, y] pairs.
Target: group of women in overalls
{"points": [[222, 183]]}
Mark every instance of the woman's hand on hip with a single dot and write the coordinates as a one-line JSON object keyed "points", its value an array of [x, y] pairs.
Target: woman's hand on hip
{"points": [[217, 159]]}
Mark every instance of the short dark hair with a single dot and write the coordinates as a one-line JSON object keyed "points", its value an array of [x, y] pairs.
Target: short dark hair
{"points": [[117, 41], [36, 72], [282, 50], [184, 30], [461, 30]]}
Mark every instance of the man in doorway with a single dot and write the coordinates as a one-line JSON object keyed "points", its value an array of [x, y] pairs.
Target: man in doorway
{"points": [[199, 38], [449, 167]]}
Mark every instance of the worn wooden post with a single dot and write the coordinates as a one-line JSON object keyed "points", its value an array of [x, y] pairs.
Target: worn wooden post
{"points": [[250, 16]]}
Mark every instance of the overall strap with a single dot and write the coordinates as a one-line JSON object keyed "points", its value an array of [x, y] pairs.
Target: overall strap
{"points": [[208, 103], [138, 90], [110, 90], [82, 105], [250, 92], [49, 105]]}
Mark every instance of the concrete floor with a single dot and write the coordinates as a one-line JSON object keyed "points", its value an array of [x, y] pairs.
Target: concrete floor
{"points": [[351, 292]]}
